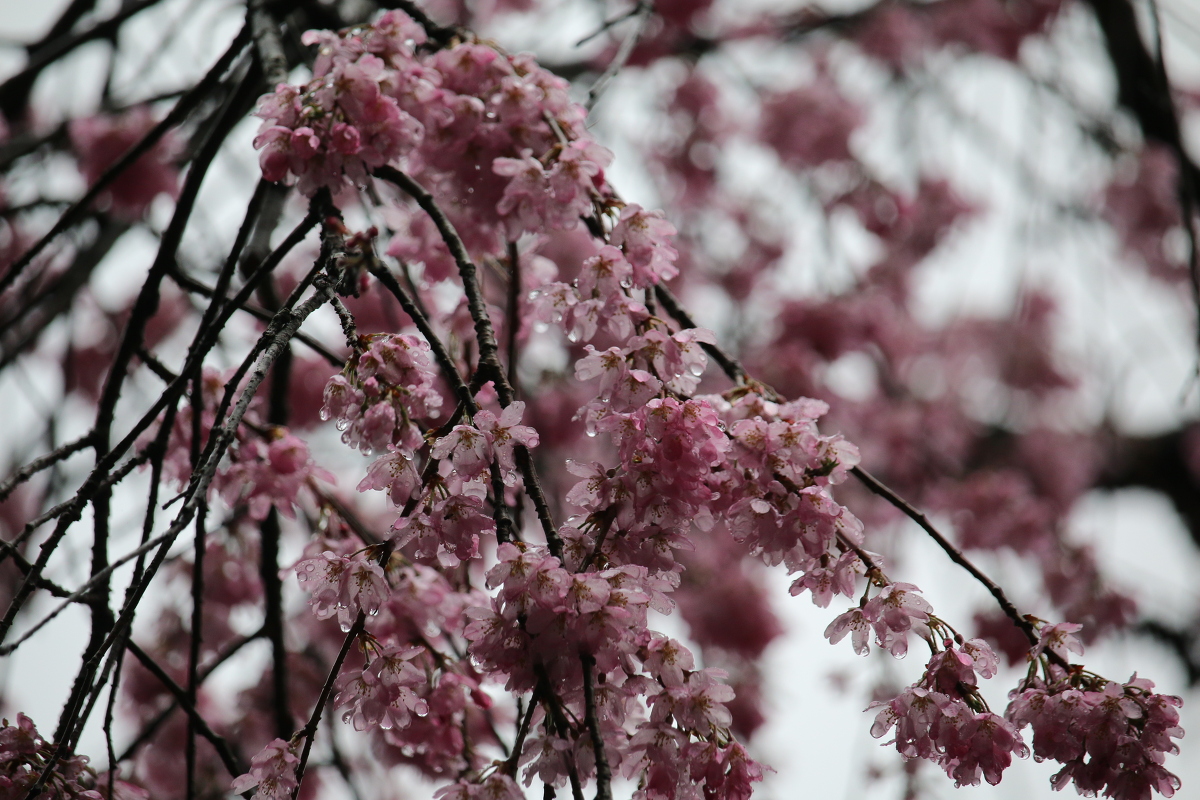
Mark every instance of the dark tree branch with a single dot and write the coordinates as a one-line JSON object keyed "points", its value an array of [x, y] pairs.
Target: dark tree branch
{"points": [[956, 555], [309, 731], [40, 463], [152, 727], [58, 43], [185, 106], [603, 770], [513, 311]]}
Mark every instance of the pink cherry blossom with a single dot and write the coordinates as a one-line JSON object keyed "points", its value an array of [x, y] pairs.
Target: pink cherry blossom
{"points": [[272, 772]]}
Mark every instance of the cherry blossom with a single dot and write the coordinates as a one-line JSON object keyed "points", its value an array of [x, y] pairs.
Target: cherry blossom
{"points": [[272, 772]]}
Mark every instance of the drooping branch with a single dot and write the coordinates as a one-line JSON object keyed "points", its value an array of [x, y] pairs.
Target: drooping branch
{"points": [[603, 770], [524, 460], [489, 367], [956, 555], [309, 731]]}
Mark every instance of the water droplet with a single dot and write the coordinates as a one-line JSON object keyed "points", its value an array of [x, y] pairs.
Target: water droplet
{"points": [[591, 432], [540, 327], [696, 369], [345, 626], [325, 415], [573, 335], [343, 423]]}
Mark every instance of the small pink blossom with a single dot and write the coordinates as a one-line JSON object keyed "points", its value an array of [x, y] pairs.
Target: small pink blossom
{"points": [[1058, 639]]}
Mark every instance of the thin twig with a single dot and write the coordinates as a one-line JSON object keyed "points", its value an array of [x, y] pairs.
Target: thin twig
{"points": [[513, 312], [177, 114], [309, 731], [514, 758], [876, 486], [152, 727], [728, 364], [42, 462], [640, 13]]}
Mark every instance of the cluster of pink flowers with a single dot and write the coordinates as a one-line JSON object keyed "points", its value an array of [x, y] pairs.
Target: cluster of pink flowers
{"points": [[544, 611], [484, 127], [269, 474], [504, 153], [381, 695], [471, 448], [898, 33], [24, 755], [892, 614], [383, 394], [272, 772], [810, 125], [267, 466], [420, 703], [1110, 737], [942, 717], [343, 585]]}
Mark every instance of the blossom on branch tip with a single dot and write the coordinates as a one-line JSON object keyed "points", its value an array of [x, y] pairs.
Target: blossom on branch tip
{"points": [[343, 585], [1058, 639], [272, 772], [382, 694]]}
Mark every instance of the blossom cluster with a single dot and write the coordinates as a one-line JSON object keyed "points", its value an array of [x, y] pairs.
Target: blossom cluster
{"points": [[504, 153], [384, 394], [496, 133], [942, 717], [272, 772], [24, 756], [1110, 737], [267, 466]]}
